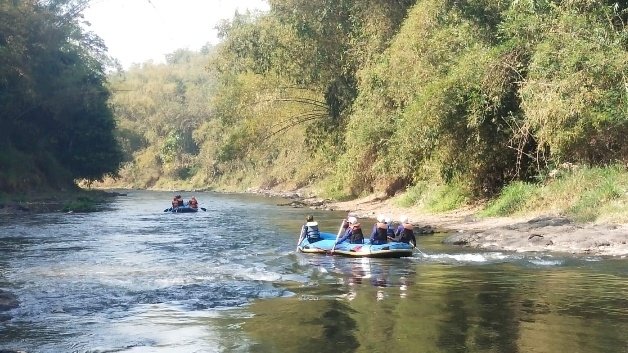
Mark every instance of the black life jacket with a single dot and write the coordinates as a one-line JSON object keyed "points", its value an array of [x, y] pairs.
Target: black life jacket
{"points": [[381, 233], [312, 232], [407, 234], [356, 234]]}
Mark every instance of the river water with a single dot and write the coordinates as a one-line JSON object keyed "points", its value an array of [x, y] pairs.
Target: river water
{"points": [[132, 278]]}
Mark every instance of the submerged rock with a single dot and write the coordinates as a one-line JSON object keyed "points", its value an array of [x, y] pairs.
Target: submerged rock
{"points": [[8, 301]]}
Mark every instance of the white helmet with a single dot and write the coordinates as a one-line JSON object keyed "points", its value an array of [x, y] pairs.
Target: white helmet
{"points": [[387, 220], [403, 219], [352, 220], [380, 218]]}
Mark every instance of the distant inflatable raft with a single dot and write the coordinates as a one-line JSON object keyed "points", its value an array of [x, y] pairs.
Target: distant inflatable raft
{"points": [[326, 244], [181, 209]]}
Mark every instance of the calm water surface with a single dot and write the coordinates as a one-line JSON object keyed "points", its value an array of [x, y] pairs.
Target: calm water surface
{"points": [[135, 279]]}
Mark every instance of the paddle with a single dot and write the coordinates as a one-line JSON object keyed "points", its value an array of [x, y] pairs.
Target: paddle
{"points": [[301, 237], [338, 236], [417, 249], [203, 208]]}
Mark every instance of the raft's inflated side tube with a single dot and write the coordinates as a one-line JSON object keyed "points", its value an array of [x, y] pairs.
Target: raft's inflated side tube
{"points": [[183, 209], [319, 247], [392, 249]]}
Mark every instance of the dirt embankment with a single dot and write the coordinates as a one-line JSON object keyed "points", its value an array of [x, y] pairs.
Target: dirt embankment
{"points": [[547, 233]]}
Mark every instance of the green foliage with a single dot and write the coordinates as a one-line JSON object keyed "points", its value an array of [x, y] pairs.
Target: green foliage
{"points": [[53, 99], [414, 195], [457, 94], [313, 45], [159, 109], [574, 99], [433, 197], [512, 199], [81, 204], [585, 193], [171, 146], [581, 193], [445, 100], [447, 197], [379, 96]]}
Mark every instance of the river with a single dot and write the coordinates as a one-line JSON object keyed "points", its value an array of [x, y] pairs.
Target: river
{"points": [[132, 278]]}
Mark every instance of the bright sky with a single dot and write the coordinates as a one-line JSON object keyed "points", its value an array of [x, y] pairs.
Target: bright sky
{"points": [[136, 31]]}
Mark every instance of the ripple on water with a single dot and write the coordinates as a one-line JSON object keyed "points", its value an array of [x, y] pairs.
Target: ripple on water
{"points": [[484, 257]]}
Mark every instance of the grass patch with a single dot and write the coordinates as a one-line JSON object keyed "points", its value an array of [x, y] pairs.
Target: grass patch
{"points": [[434, 198], [82, 204], [332, 188], [599, 187], [586, 194], [414, 195], [446, 198], [513, 198]]}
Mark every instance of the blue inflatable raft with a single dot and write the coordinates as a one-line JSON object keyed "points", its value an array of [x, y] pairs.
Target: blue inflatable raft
{"points": [[326, 245]]}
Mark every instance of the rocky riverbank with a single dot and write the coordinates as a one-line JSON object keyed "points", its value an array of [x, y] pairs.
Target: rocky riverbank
{"points": [[542, 233]]}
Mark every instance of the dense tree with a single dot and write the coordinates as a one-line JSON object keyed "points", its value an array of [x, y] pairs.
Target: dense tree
{"points": [[57, 126], [160, 109], [382, 95], [484, 92]]}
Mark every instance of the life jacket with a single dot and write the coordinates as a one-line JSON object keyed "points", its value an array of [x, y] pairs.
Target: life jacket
{"points": [[381, 233], [312, 232], [356, 234], [390, 231], [407, 234]]}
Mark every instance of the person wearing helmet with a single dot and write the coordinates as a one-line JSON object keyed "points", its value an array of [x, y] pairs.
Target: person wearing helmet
{"points": [[353, 232], [405, 232], [380, 219], [310, 230], [380, 231]]}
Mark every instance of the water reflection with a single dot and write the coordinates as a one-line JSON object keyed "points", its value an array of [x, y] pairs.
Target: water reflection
{"points": [[379, 273], [408, 306], [385, 276]]}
